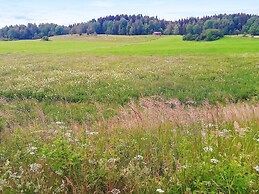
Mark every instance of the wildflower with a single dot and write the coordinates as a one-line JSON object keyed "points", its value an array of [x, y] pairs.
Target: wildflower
{"points": [[115, 191], [112, 160], [35, 167], [184, 166], [7, 163], [160, 191], [214, 161], [59, 172], [92, 133], [60, 123], [211, 125], [62, 127], [138, 157], [70, 140], [34, 148], [208, 149], [83, 145], [93, 161], [257, 140], [203, 134], [256, 168], [68, 134], [21, 169], [226, 131]]}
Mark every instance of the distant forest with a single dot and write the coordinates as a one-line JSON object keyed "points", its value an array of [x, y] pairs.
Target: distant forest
{"points": [[227, 24]]}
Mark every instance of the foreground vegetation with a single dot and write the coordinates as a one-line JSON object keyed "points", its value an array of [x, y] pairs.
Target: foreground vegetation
{"points": [[209, 150], [110, 114]]}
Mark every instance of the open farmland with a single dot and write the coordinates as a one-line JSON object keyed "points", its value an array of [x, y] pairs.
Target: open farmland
{"points": [[100, 114]]}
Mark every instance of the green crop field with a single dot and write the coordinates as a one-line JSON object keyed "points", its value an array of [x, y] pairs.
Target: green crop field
{"points": [[92, 114]]}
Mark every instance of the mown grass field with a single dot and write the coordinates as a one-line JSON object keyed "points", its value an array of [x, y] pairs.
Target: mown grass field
{"points": [[129, 114], [131, 45]]}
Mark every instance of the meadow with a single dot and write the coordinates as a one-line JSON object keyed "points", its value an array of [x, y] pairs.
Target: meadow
{"points": [[129, 114]]}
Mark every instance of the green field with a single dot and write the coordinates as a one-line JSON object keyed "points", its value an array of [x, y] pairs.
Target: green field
{"points": [[91, 114], [131, 45], [117, 69]]}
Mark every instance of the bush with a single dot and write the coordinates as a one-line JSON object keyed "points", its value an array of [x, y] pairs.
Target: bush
{"points": [[211, 35], [191, 37], [45, 38], [207, 35]]}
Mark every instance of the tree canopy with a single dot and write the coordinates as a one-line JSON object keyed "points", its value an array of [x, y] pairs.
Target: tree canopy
{"points": [[194, 27]]}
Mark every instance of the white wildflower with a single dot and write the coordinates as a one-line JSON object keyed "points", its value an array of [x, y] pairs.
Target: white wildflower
{"points": [[112, 160], [7, 163], [59, 172], [185, 166], [93, 161], [70, 140], [160, 191], [68, 134], [21, 169], [204, 134], [138, 157], [257, 140], [83, 145], [62, 127], [115, 191], [59, 123], [214, 161], [92, 133], [211, 125], [34, 148], [226, 131], [208, 149], [256, 168], [35, 167]]}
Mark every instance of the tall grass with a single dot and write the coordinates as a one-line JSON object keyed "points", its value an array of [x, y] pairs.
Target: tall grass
{"points": [[213, 149]]}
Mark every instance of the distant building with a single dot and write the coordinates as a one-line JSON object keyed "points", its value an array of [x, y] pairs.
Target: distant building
{"points": [[157, 33]]}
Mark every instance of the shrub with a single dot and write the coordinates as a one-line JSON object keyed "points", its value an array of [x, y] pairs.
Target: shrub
{"points": [[211, 35], [45, 38], [191, 37], [207, 35]]}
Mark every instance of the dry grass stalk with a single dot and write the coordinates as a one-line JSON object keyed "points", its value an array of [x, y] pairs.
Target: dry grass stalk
{"points": [[150, 114]]}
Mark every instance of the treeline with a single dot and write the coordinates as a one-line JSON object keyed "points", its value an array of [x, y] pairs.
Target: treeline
{"points": [[226, 24]]}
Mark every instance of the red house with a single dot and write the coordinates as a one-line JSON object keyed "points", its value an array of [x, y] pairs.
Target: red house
{"points": [[157, 33]]}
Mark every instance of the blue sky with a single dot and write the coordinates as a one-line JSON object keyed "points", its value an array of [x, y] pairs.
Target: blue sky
{"points": [[74, 11]]}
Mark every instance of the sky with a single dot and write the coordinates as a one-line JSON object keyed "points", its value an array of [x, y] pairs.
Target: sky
{"points": [[66, 12]]}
